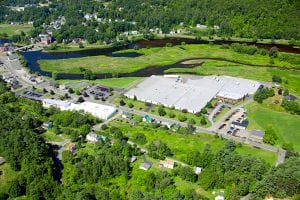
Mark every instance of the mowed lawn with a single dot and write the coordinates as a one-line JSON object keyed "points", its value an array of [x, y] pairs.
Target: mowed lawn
{"points": [[123, 82], [211, 67], [159, 56], [286, 126], [11, 30], [182, 145]]}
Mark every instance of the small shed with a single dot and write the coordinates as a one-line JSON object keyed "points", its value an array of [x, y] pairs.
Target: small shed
{"points": [[133, 159], [257, 135], [148, 119], [146, 166], [167, 164]]}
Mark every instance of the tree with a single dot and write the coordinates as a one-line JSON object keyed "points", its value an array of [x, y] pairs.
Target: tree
{"points": [[161, 111], [80, 100], [140, 138], [70, 90], [130, 105], [273, 52], [276, 79], [270, 136], [54, 75], [122, 103], [203, 121]]}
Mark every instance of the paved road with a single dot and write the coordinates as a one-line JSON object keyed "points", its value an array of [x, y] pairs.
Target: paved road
{"points": [[61, 147]]}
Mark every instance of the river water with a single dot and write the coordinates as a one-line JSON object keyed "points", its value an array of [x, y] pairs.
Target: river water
{"points": [[33, 57]]}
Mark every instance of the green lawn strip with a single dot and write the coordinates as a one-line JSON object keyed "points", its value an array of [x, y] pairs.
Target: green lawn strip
{"points": [[7, 175], [256, 73], [183, 145], [11, 30], [223, 112], [159, 56], [50, 136], [285, 125], [123, 82], [138, 105], [177, 113]]}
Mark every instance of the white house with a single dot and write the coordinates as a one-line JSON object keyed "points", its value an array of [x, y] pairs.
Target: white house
{"points": [[201, 26], [197, 170], [92, 137]]}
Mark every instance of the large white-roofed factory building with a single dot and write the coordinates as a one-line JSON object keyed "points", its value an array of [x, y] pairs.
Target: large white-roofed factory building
{"points": [[193, 93]]}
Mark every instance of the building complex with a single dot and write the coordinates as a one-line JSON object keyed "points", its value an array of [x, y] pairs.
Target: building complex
{"points": [[192, 93]]}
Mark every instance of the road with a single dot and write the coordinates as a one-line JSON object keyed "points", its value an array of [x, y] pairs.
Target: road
{"points": [[15, 68]]}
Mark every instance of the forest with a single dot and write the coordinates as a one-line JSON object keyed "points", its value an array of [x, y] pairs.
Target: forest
{"points": [[276, 19], [93, 175]]}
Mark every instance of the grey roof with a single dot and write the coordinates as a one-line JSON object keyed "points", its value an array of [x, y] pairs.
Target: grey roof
{"points": [[258, 133], [55, 102], [2, 160], [146, 165], [290, 97]]}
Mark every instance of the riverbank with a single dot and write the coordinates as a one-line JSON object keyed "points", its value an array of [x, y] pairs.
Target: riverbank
{"points": [[159, 56]]}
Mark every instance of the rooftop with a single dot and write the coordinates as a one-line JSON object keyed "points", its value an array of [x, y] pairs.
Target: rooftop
{"points": [[191, 93], [258, 133]]}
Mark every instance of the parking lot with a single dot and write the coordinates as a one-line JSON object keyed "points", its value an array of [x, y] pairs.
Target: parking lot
{"points": [[97, 91], [227, 127]]}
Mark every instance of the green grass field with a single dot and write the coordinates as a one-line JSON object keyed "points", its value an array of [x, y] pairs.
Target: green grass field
{"points": [[211, 67], [153, 57], [124, 82], [182, 145], [11, 30], [7, 175], [285, 125]]}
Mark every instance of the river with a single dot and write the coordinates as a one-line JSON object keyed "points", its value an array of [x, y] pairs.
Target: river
{"points": [[33, 57]]}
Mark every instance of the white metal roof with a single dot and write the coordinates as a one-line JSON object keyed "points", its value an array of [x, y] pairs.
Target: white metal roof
{"points": [[192, 94]]}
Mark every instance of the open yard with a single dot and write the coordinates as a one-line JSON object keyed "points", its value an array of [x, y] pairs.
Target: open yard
{"points": [[11, 30], [153, 57], [285, 125], [182, 145]]}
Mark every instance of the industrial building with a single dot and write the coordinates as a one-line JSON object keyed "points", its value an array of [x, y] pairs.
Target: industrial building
{"points": [[193, 93], [98, 110]]}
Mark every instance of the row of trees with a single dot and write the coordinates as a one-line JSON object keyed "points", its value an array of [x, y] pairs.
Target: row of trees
{"points": [[234, 18]]}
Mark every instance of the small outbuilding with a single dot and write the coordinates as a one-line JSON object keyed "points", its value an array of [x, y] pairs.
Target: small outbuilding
{"points": [[197, 170], [133, 159], [148, 119], [72, 147], [167, 164], [257, 135], [2, 160], [146, 165], [290, 97], [47, 125]]}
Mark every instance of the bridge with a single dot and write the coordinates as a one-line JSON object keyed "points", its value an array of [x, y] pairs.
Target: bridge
{"points": [[25, 47]]}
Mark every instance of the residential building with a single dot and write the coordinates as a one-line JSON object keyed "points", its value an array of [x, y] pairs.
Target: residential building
{"points": [[240, 125], [167, 164], [93, 137], [72, 147], [290, 97]]}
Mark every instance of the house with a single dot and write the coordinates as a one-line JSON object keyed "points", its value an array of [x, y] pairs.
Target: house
{"points": [[133, 159], [148, 119], [197, 170], [240, 125], [290, 97], [47, 125], [201, 26], [72, 147], [167, 164], [257, 135], [220, 196], [134, 32], [269, 197], [126, 115], [45, 39], [92, 137], [146, 165]]}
